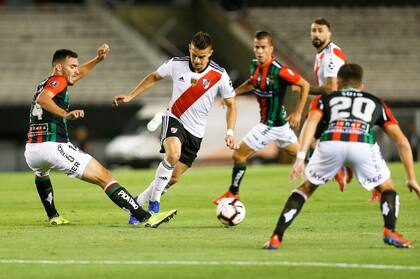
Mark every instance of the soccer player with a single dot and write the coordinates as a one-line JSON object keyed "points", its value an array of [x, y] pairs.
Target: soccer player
{"points": [[268, 80], [349, 138], [196, 82], [48, 146], [328, 60]]}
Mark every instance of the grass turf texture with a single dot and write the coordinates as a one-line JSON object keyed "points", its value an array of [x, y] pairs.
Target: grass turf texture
{"points": [[333, 227]]}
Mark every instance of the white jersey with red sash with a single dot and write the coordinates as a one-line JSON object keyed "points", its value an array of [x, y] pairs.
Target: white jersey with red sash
{"points": [[327, 63], [194, 93]]}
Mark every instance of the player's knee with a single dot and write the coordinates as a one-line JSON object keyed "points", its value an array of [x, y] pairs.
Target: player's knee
{"points": [[173, 158], [238, 158]]}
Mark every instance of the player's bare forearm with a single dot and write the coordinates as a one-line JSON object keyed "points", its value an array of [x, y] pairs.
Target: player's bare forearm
{"points": [[46, 102], [304, 92], [85, 68], [245, 87], [329, 86], [308, 130], [148, 82], [230, 113]]}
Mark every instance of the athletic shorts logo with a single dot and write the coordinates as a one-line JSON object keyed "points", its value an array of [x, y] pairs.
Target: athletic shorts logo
{"points": [[206, 83], [174, 130]]}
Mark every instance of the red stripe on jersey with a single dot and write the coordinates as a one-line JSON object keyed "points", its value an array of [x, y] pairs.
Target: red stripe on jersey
{"points": [[255, 77], [317, 67], [340, 54], [193, 93], [289, 76], [264, 75], [337, 134], [354, 136], [389, 115], [56, 84]]}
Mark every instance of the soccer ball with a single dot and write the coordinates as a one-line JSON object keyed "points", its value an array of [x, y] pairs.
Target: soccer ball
{"points": [[230, 211]]}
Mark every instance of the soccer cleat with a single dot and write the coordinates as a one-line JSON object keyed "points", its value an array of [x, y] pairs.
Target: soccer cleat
{"points": [[58, 220], [273, 243], [376, 196], [348, 174], [396, 239], [156, 219], [339, 177], [153, 206], [228, 194], [133, 221]]}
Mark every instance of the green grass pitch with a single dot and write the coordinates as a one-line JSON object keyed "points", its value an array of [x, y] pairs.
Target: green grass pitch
{"points": [[337, 235]]}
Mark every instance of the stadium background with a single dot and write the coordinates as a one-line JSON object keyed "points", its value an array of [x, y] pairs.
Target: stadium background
{"points": [[383, 36]]}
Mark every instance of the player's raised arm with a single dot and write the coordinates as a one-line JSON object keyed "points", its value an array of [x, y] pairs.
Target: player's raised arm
{"points": [[406, 156], [84, 69], [148, 82]]}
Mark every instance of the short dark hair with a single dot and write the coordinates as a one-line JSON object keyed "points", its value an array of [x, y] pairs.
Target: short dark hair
{"points": [[201, 40], [322, 21], [350, 75], [261, 34], [62, 54]]}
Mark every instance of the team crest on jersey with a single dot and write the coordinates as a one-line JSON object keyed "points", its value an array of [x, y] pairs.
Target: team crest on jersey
{"points": [[331, 65], [194, 81], [174, 130], [53, 83], [206, 83]]}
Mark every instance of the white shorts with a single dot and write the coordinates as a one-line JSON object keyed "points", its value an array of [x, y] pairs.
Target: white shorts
{"points": [[262, 135], [44, 156], [365, 159]]}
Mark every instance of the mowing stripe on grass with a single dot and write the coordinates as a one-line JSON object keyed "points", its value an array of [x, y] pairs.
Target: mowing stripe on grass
{"points": [[240, 263]]}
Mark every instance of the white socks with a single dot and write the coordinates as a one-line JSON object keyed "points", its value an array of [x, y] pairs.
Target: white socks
{"points": [[162, 177]]}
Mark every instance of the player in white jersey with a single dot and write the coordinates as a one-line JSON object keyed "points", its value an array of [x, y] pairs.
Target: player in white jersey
{"points": [[328, 60], [196, 82]]}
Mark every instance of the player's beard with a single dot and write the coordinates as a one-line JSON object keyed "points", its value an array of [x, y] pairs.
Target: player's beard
{"points": [[317, 43]]}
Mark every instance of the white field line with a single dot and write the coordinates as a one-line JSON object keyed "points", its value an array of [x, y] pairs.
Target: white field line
{"points": [[215, 263]]}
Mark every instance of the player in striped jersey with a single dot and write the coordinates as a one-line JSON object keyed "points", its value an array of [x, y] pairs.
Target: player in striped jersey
{"points": [[268, 80], [348, 137], [196, 82], [48, 146]]}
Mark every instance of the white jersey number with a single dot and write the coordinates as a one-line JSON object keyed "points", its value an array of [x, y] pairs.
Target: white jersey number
{"points": [[37, 111], [361, 108]]}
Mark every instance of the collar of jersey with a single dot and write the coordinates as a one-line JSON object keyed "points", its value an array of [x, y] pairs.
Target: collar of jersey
{"points": [[192, 69]]}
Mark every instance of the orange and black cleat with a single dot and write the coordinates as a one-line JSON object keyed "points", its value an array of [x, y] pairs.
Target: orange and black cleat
{"points": [[343, 177], [395, 239], [228, 194], [273, 243]]}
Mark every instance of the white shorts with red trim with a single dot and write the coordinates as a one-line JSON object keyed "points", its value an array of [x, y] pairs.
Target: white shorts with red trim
{"points": [[365, 159], [44, 156], [262, 135]]}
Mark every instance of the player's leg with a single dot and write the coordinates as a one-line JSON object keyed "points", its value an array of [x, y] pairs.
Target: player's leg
{"points": [[389, 206], [95, 173], [291, 209], [172, 146]]}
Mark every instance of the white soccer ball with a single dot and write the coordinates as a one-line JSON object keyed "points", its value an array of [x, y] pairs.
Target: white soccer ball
{"points": [[230, 211]]}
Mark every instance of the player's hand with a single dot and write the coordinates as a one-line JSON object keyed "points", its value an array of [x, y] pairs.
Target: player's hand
{"points": [[102, 52], [75, 114], [414, 186], [294, 120], [231, 142], [297, 170], [123, 98]]}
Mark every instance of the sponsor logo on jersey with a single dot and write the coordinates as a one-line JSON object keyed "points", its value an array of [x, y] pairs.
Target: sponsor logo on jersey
{"points": [[206, 83], [193, 81], [174, 130], [181, 79], [54, 83]]}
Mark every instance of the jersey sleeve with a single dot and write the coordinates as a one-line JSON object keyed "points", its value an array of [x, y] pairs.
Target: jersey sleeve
{"points": [[165, 69], [317, 105], [289, 76], [56, 84], [387, 118], [332, 63], [225, 87]]}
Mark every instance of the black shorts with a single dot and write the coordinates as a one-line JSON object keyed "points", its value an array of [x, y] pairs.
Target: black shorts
{"points": [[171, 127]]}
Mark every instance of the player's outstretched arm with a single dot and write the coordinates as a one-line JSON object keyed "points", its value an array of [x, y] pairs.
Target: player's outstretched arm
{"points": [[230, 122], [45, 100], [148, 82], [101, 54], [245, 87], [406, 156], [295, 117]]}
